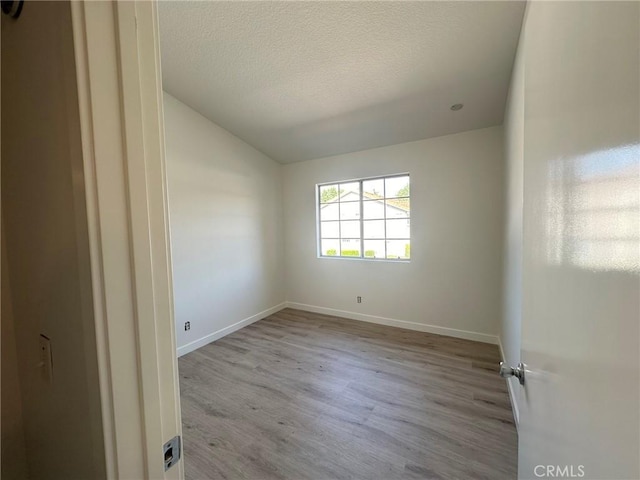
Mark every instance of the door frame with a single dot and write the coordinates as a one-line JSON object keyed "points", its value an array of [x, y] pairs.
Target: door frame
{"points": [[120, 99]]}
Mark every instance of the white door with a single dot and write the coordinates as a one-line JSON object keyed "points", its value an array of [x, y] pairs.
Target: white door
{"points": [[580, 410]]}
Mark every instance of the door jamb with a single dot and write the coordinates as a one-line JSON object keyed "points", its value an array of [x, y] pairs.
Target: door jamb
{"points": [[120, 97]]}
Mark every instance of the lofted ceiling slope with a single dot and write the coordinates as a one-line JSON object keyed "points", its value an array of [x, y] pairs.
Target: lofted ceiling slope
{"points": [[303, 80]]}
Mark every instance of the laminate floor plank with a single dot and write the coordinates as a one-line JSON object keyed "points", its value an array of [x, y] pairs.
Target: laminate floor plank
{"points": [[302, 395]]}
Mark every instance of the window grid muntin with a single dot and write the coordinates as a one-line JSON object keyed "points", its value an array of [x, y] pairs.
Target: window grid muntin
{"points": [[361, 220]]}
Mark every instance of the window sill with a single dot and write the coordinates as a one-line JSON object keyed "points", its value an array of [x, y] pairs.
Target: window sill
{"points": [[363, 259]]}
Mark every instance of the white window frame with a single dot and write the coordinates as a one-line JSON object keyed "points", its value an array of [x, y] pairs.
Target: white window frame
{"points": [[360, 219]]}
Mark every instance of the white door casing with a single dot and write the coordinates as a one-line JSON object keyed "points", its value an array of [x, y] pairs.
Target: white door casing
{"points": [[580, 409], [119, 83]]}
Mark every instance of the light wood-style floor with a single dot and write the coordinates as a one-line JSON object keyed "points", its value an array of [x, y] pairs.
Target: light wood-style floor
{"points": [[300, 395]]}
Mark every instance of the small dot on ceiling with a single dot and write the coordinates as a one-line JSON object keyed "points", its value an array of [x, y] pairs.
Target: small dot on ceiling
{"points": [[456, 107]]}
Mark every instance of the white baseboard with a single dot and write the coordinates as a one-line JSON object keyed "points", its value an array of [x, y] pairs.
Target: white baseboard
{"points": [[212, 337], [392, 322], [512, 393]]}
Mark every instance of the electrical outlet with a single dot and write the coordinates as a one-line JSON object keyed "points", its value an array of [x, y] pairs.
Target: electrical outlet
{"points": [[187, 326], [359, 299], [46, 359]]}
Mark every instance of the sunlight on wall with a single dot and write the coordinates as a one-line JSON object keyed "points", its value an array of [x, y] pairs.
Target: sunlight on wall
{"points": [[593, 206]]}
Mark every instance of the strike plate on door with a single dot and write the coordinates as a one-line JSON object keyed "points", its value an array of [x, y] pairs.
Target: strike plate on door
{"points": [[171, 452]]}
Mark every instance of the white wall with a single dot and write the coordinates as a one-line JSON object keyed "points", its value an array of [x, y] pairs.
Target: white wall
{"points": [[13, 457], [13, 453], [452, 285], [512, 275], [46, 240], [225, 203]]}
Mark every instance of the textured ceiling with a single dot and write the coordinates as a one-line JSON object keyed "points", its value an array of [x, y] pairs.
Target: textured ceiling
{"points": [[302, 80]]}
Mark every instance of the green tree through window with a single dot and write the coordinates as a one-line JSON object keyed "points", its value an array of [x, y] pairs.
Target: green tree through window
{"points": [[329, 194]]}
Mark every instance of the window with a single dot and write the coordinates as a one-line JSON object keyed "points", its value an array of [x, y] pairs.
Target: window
{"points": [[368, 218]]}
